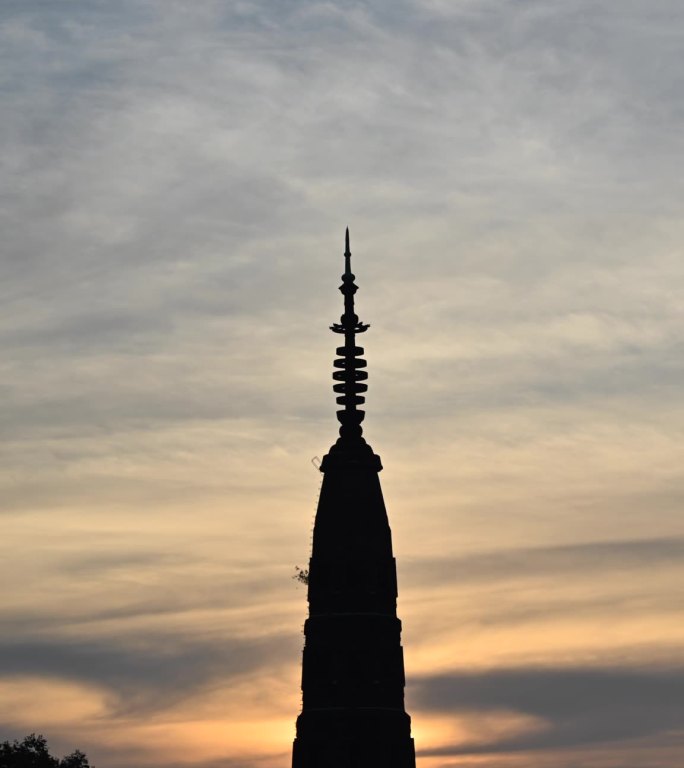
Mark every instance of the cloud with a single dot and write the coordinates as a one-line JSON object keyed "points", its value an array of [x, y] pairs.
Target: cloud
{"points": [[202, 158], [575, 706], [591, 557], [148, 673], [177, 178]]}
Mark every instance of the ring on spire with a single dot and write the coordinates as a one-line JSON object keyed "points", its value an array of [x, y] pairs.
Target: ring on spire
{"points": [[349, 376]]}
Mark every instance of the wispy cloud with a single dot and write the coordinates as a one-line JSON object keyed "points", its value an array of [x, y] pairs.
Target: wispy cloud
{"points": [[149, 673], [589, 558], [573, 706], [176, 182]]}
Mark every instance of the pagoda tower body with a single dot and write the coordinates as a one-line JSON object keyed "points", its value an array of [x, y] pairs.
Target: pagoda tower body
{"points": [[353, 712]]}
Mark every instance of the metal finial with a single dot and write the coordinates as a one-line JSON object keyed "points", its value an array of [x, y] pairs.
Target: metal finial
{"points": [[347, 255], [349, 375]]}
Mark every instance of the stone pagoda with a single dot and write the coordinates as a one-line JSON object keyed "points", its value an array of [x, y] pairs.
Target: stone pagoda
{"points": [[353, 712]]}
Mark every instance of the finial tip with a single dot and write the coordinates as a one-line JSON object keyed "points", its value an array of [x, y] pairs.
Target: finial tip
{"points": [[346, 240]]}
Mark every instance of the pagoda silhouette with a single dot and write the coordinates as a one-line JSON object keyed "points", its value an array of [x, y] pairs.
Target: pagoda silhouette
{"points": [[353, 712]]}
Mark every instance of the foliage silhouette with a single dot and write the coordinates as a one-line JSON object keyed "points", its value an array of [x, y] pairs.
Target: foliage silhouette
{"points": [[32, 752]]}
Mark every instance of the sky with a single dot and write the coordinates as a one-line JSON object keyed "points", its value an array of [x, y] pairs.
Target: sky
{"points": [[176, 181]]}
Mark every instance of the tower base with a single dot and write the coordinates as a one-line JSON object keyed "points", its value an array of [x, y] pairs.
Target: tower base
{"points": [[354, 738]]}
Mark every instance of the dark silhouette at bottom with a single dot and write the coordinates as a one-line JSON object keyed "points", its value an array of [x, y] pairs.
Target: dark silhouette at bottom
{"points": [[32, 752]]}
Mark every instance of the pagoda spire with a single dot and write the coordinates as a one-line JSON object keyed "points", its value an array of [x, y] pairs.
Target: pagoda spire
{"points": [[349, 376]]}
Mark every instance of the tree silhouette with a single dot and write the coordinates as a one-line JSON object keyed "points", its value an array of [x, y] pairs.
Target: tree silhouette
{"points": [[32, 752]]}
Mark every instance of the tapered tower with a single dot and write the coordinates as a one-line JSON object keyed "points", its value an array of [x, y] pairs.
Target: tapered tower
{"points": [[353, 668]]}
